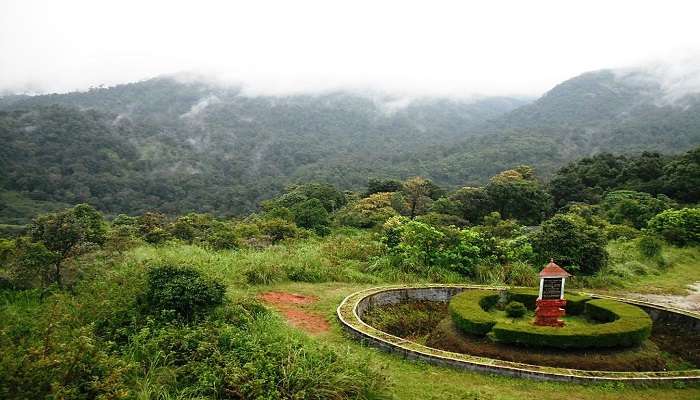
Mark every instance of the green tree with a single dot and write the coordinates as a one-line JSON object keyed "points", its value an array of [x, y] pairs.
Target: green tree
{"points": [[682, 177], [419, 193], [680, 227], [375, 185], [68, 233], [633, 208], [519, 196], [30, 261], [311, 214], [330, 198], [573, 243], [368, 212], [471, 203]]}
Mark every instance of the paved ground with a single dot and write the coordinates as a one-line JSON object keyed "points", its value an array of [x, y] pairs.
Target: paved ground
{"points": [[690, 302]]}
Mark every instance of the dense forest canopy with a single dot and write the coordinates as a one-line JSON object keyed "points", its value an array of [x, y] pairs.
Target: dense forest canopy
{"points": [[178, 146]]}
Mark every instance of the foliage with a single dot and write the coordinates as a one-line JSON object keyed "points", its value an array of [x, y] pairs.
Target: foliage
{"points": [[368, 212], [586, 180], [30, 264], [468, 311], [182, 291], [469, 203], [61, 347], [650, 246], [680, 227], [311, 214], [575, 302], [327, 195], [441, 220], [279, 229], [622, 325], [376, 185], [419, 194], [68, 233], [624, 232], [518, 196], [417, 246], [515, 309], [573, 243], [633, 208], [406, 319], [514, 273]]}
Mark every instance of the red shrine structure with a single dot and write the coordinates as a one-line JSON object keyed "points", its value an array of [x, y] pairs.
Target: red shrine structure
{"points": [[550, 302]]}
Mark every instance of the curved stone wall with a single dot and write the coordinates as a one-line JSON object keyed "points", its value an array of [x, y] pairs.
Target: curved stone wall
{"points": [[351, 310]]}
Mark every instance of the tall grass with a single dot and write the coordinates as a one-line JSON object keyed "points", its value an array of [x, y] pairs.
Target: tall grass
{"points": [[336, 258]]}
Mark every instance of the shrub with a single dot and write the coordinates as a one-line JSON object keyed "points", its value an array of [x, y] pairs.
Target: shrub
{"points": [[571, 241], [679, 227], [368, 212], [468, 311], [417, 246], [310, 214], [650, 246], [156, 236], [181, 290], [623, 325], [574, 302], [221, 236], [633, 208], [515, 309], [614, 232], [278, 229]]}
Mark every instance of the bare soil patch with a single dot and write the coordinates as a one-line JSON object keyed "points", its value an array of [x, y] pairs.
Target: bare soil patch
{"points": [[292, 307]]}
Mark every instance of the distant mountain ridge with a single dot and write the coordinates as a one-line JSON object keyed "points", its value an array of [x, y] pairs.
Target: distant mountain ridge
{"points": [[179, 146]]}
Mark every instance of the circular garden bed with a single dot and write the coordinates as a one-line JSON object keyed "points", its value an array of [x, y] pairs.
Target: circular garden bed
{"points": [[603, 339], [599, 323]]}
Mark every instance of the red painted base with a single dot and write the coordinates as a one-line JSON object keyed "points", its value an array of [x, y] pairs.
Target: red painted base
{"points": [[548, 312]]}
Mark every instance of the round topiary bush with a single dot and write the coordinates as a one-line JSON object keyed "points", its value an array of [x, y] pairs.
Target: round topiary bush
{"points": [[515, 309], [181, 290]]}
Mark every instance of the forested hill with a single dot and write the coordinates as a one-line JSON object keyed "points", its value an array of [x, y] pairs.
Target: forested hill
{"points": [[177, 146], [604, 111], [163, 144]]}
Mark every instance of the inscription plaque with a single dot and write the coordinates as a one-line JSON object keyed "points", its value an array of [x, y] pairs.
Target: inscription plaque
{"points": [[551, 289]]}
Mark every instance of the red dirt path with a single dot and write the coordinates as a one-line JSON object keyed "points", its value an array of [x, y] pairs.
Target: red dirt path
{"points": [[291, 306]]}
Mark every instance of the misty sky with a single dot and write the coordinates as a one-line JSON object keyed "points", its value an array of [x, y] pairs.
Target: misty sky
{"points": [[425, 48]]}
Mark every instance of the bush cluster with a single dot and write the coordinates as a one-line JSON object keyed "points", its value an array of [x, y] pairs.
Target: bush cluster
{"points": [[574, 302], [515, 309], [182, 291], [622, 325], [468, 311]]}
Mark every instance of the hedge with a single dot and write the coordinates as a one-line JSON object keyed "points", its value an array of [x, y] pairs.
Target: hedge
{"points": [[468, 311], [623, 325], [574, 302]]}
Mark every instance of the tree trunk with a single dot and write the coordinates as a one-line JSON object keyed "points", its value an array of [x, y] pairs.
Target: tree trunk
{"points": [[57, 277]]}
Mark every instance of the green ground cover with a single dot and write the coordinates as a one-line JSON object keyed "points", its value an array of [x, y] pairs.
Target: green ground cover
{"points": [[328, 268]]}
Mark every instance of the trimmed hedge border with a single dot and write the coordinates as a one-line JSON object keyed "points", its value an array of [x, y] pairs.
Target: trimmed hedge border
{"points": [[624, 325], [575, 302], [468, 311], [354, 305]]}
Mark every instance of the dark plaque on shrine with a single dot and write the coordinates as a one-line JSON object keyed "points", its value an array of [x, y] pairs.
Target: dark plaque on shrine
{"points": [[551, 288]]}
